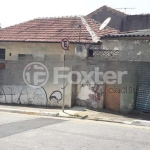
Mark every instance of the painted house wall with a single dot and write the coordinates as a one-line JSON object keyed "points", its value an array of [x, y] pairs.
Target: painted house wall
{"points": [[12, 87], [38, 50]]}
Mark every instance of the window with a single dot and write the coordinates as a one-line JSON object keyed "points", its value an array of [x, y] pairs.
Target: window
{"points": [[25, 57], [90, 53], [2, 53], [21, 56]]}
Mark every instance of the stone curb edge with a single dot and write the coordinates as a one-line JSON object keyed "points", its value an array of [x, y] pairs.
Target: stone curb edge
{"points": [[54, 114], [41, 113]]}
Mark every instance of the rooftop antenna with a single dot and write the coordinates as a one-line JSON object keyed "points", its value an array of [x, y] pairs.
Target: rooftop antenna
{"points": [[125, 9], [105, 23]]}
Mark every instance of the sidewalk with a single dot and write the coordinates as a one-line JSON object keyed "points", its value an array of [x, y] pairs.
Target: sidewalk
{"points": [[81, 113]]}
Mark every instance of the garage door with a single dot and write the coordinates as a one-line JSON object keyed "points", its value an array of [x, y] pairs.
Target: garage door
{"points": [[143, 94]]}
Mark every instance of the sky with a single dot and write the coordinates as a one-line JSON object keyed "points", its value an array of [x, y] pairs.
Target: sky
{"points": [[16, 11]]}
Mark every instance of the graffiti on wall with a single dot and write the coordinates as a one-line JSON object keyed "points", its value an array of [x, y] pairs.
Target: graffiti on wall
{"points": [[2, 94], [92, 95], [22, 95], [27, 95], [96, 93], [56, 95]]}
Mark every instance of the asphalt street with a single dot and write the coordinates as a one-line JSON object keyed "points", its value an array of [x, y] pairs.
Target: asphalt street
{"points": [[28, 132]]}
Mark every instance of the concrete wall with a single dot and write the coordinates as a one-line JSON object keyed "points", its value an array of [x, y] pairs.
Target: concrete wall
{"points": [[135, 53], [135, 22], [12, 86], [92, 95], [132, 55], [130, 50]]}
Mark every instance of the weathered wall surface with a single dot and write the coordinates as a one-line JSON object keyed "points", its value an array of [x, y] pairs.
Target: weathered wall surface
{"points": [[130, 50], [14, 90], [135, 53], [92, 95], [12, 86], [132, 55]]}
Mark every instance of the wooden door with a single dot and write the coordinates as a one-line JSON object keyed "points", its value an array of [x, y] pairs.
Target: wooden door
{"points": [[112, 97]]}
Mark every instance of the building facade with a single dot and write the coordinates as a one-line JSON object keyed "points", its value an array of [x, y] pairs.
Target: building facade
{"points": [[92, 52], [39, 41]]}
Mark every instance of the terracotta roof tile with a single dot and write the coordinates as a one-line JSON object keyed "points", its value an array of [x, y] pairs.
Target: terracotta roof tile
{"points": [[136, 33], [53, 30]]}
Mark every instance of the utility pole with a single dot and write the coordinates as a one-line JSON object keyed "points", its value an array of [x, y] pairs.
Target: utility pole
{"points": [[65, 46]]}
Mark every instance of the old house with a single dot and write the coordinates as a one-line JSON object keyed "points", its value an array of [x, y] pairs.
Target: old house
{"points": [[39, 40], [92, 52]]}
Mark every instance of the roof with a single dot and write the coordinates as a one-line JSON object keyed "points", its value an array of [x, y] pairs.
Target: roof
{"points": [[138, 33], [109, 9], [140, 15], [76, 29]]}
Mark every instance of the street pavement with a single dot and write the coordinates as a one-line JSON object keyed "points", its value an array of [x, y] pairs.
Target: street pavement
{"points": [[29, 132]]}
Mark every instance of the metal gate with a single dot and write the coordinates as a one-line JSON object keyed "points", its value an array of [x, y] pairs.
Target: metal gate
{"points": [[143, 90]]}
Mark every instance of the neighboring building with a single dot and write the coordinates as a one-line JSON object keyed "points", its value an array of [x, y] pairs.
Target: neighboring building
{"points": [[121, 21], [134, 57], [104, 12], [126, 52], [136, 22], [39, 41]]}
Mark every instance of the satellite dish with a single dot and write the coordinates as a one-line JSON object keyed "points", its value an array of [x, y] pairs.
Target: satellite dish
{"points": [[105, 23]]}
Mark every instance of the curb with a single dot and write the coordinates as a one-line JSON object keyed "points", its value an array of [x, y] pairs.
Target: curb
{"points": [[54, 114], [92, 119], [138, 123], [40, 113]]}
